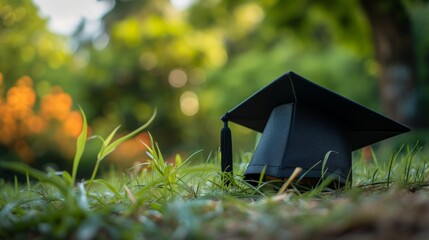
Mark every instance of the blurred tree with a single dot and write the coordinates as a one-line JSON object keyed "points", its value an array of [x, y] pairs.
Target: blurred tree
{"points": [[394, 48], [420, 28]]}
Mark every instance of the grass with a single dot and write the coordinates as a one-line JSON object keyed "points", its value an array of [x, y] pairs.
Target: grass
{"points": [[180, 200]]}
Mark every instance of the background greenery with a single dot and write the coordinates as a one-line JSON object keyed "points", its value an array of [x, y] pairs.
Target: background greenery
{"points": [[193, 65]]}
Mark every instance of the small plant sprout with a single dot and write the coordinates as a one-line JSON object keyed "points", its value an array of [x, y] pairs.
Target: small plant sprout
{"points": [[107, 146]]}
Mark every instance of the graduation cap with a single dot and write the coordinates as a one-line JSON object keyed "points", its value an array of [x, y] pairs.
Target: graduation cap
{"points": [[303, 125]]}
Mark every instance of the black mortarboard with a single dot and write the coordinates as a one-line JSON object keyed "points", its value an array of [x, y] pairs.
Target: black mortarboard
{"points": [[301, 124]]}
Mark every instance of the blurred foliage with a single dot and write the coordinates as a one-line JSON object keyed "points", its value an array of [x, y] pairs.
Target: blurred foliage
{"points": [[192, 64], [183, 55], [30, 49]]}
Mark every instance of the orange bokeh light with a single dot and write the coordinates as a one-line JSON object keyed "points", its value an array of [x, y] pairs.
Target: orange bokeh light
{"points": [[19, 120], [21, 98], [72, 125], [56, 105]]}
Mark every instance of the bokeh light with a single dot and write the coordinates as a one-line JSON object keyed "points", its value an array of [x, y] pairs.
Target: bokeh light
{"points": [[148, 60], [189, 104], [177, 78], [56, 105]]}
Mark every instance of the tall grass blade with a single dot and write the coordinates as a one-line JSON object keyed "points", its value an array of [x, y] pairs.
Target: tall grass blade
{"points": [[389, 171], [262, 175], [325, 161], [374, 175], [27, 178], [110, 137], [408, 162], [80, 146]]}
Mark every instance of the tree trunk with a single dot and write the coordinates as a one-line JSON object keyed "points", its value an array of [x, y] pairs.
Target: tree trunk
{"points": [[393, 45]]}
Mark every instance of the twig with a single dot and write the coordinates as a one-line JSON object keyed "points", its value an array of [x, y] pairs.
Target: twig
{"points": [[292, 177]]}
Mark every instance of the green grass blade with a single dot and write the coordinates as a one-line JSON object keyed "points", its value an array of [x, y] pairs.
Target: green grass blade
{"points": [[110, 137], [106, 149], [390, 171], [109, 186], [325, 161], [27, 178], [374, 175], [261, 176], [80, 146], [97, 137], [111, 147]]}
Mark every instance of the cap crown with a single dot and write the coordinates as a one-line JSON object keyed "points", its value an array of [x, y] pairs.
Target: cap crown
{"points": [[299, 136], [362, 125]]}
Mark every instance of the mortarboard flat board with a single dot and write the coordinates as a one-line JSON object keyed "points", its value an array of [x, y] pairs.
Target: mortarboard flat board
{"points": [[301, 124]]}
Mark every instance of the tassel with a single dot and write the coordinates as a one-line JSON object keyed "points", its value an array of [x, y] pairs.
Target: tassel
{"points": [[226, 146]]}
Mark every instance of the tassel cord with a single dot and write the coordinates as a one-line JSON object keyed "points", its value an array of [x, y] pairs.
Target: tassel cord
{"points": [[226, 147]]}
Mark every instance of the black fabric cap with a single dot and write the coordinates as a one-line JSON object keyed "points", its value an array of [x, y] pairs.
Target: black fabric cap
{"points": [[302, 122]]}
